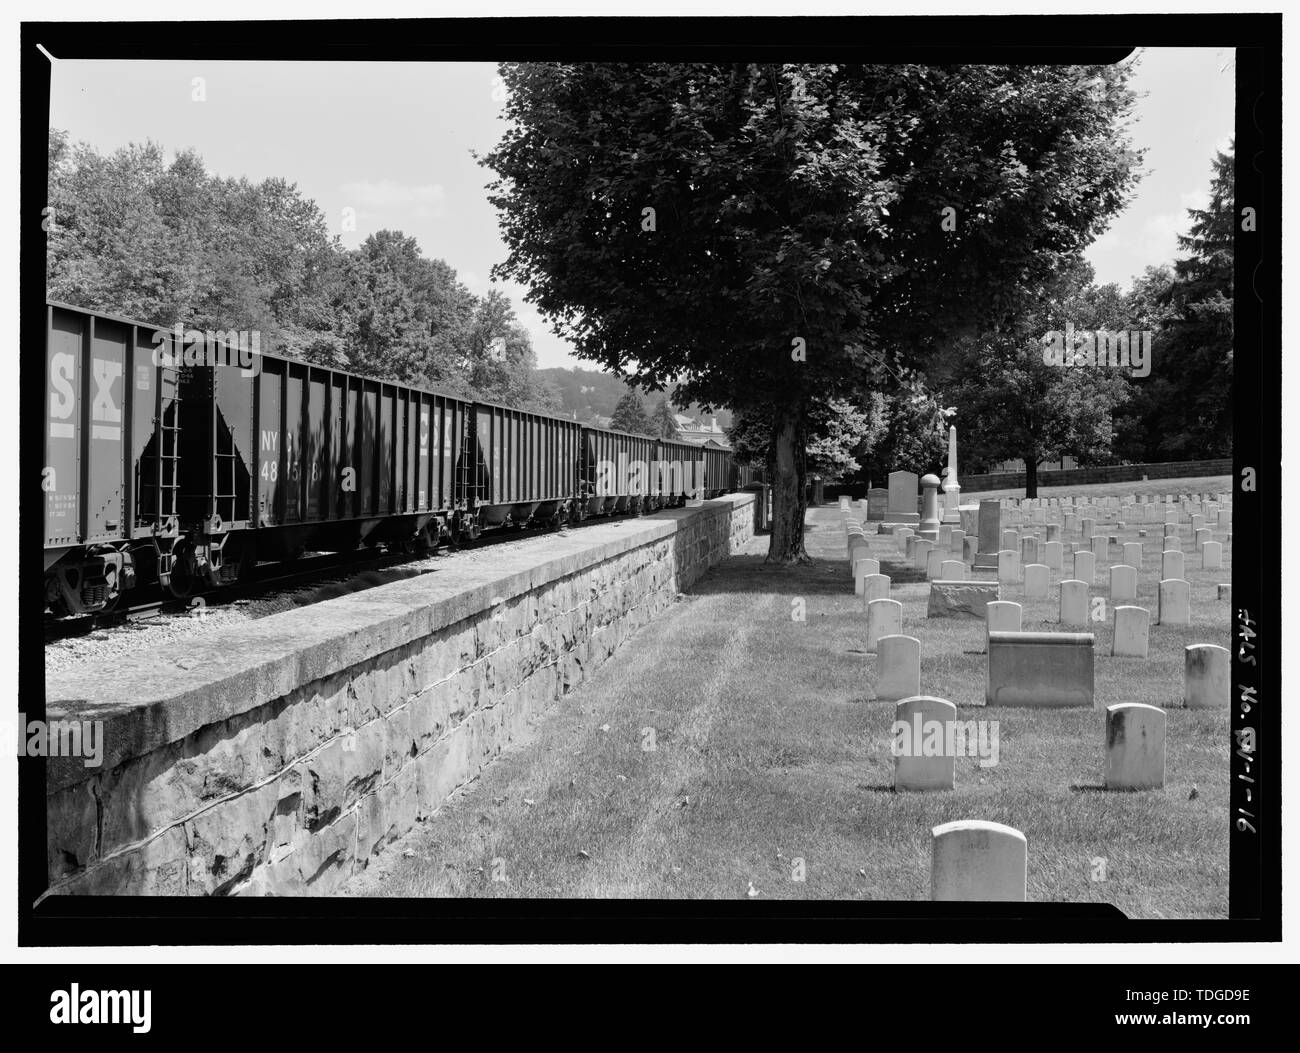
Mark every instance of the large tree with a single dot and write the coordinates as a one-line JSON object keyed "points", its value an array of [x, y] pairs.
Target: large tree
{"points": [[777, 236]]}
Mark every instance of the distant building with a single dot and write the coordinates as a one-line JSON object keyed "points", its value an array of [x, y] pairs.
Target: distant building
{"points": [[702, 434]]}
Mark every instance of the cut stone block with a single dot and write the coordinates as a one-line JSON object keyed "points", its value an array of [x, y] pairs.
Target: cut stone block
{"points": [[960, 599], [1053, 554], [1212, 556], [1133, 555], [1041, 670], [952, 570], [976, 860], [1135, 747]]}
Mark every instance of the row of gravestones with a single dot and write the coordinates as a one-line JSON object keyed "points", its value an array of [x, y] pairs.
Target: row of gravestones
{"points": [[979, 860]]}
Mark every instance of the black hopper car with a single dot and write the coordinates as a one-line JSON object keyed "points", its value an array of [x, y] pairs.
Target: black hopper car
{"points": [[183, 459]]}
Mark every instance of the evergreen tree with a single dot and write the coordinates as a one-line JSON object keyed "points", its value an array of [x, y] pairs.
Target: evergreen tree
{"points": [[663, 423], [630, 415]]}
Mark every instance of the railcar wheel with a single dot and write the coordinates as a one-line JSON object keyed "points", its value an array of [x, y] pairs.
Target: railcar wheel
{"points": [[185, 578]]}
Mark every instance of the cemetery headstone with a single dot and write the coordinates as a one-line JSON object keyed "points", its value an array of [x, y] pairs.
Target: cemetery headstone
{"points": [[1171, 564], [1174, 602], [1074, 602], [874, 587], [884, 618], [1085, 564], [898, 673], [1041, 670], [1207, 671], [1131, 632], [1123, 583], [977, 860], [877, 504], [1036, 581], [904, 497], [1008, 566], [920, 762], [1135, 747]]}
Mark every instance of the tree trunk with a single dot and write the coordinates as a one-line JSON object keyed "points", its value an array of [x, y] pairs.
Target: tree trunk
{"points": [[1031, 478], [788, 461]]}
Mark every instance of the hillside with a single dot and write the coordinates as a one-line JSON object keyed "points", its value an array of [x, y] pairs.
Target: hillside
{"points": [[590, 392]]}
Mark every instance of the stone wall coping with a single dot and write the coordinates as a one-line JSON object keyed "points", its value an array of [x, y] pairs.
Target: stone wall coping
{"points": [[149, 700]]}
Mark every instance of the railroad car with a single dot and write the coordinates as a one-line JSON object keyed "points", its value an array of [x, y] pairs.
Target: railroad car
{"points": [[286, 457], [111, 466], [525, 468], [717, 470], [183, 458], [615, 473], [680, 472]]}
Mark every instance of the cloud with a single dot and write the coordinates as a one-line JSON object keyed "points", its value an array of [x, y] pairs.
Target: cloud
{"points": [[424, 200]]}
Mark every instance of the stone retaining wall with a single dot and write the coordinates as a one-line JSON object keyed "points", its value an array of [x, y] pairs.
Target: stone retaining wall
{"points": [[1114, 473], [282, 756]]}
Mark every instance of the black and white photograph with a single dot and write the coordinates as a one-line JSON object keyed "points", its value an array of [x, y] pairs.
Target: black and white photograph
{"points": [[764, 470]]}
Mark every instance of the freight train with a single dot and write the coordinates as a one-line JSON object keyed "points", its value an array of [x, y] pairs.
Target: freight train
{"points": [[182, 459]]}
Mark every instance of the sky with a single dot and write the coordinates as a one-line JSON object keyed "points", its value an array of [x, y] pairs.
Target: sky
{"points": [[395, 142]]}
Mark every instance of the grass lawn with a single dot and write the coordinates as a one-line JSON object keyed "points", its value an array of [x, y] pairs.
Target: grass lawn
{"points": [[771, 759]]}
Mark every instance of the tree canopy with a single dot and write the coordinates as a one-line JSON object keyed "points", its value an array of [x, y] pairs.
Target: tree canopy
{"points": [[776, 236], [167, 242]]}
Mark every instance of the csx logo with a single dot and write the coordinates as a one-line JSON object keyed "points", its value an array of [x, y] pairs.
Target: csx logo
{"points": [[424, 430], [105, 408]]}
